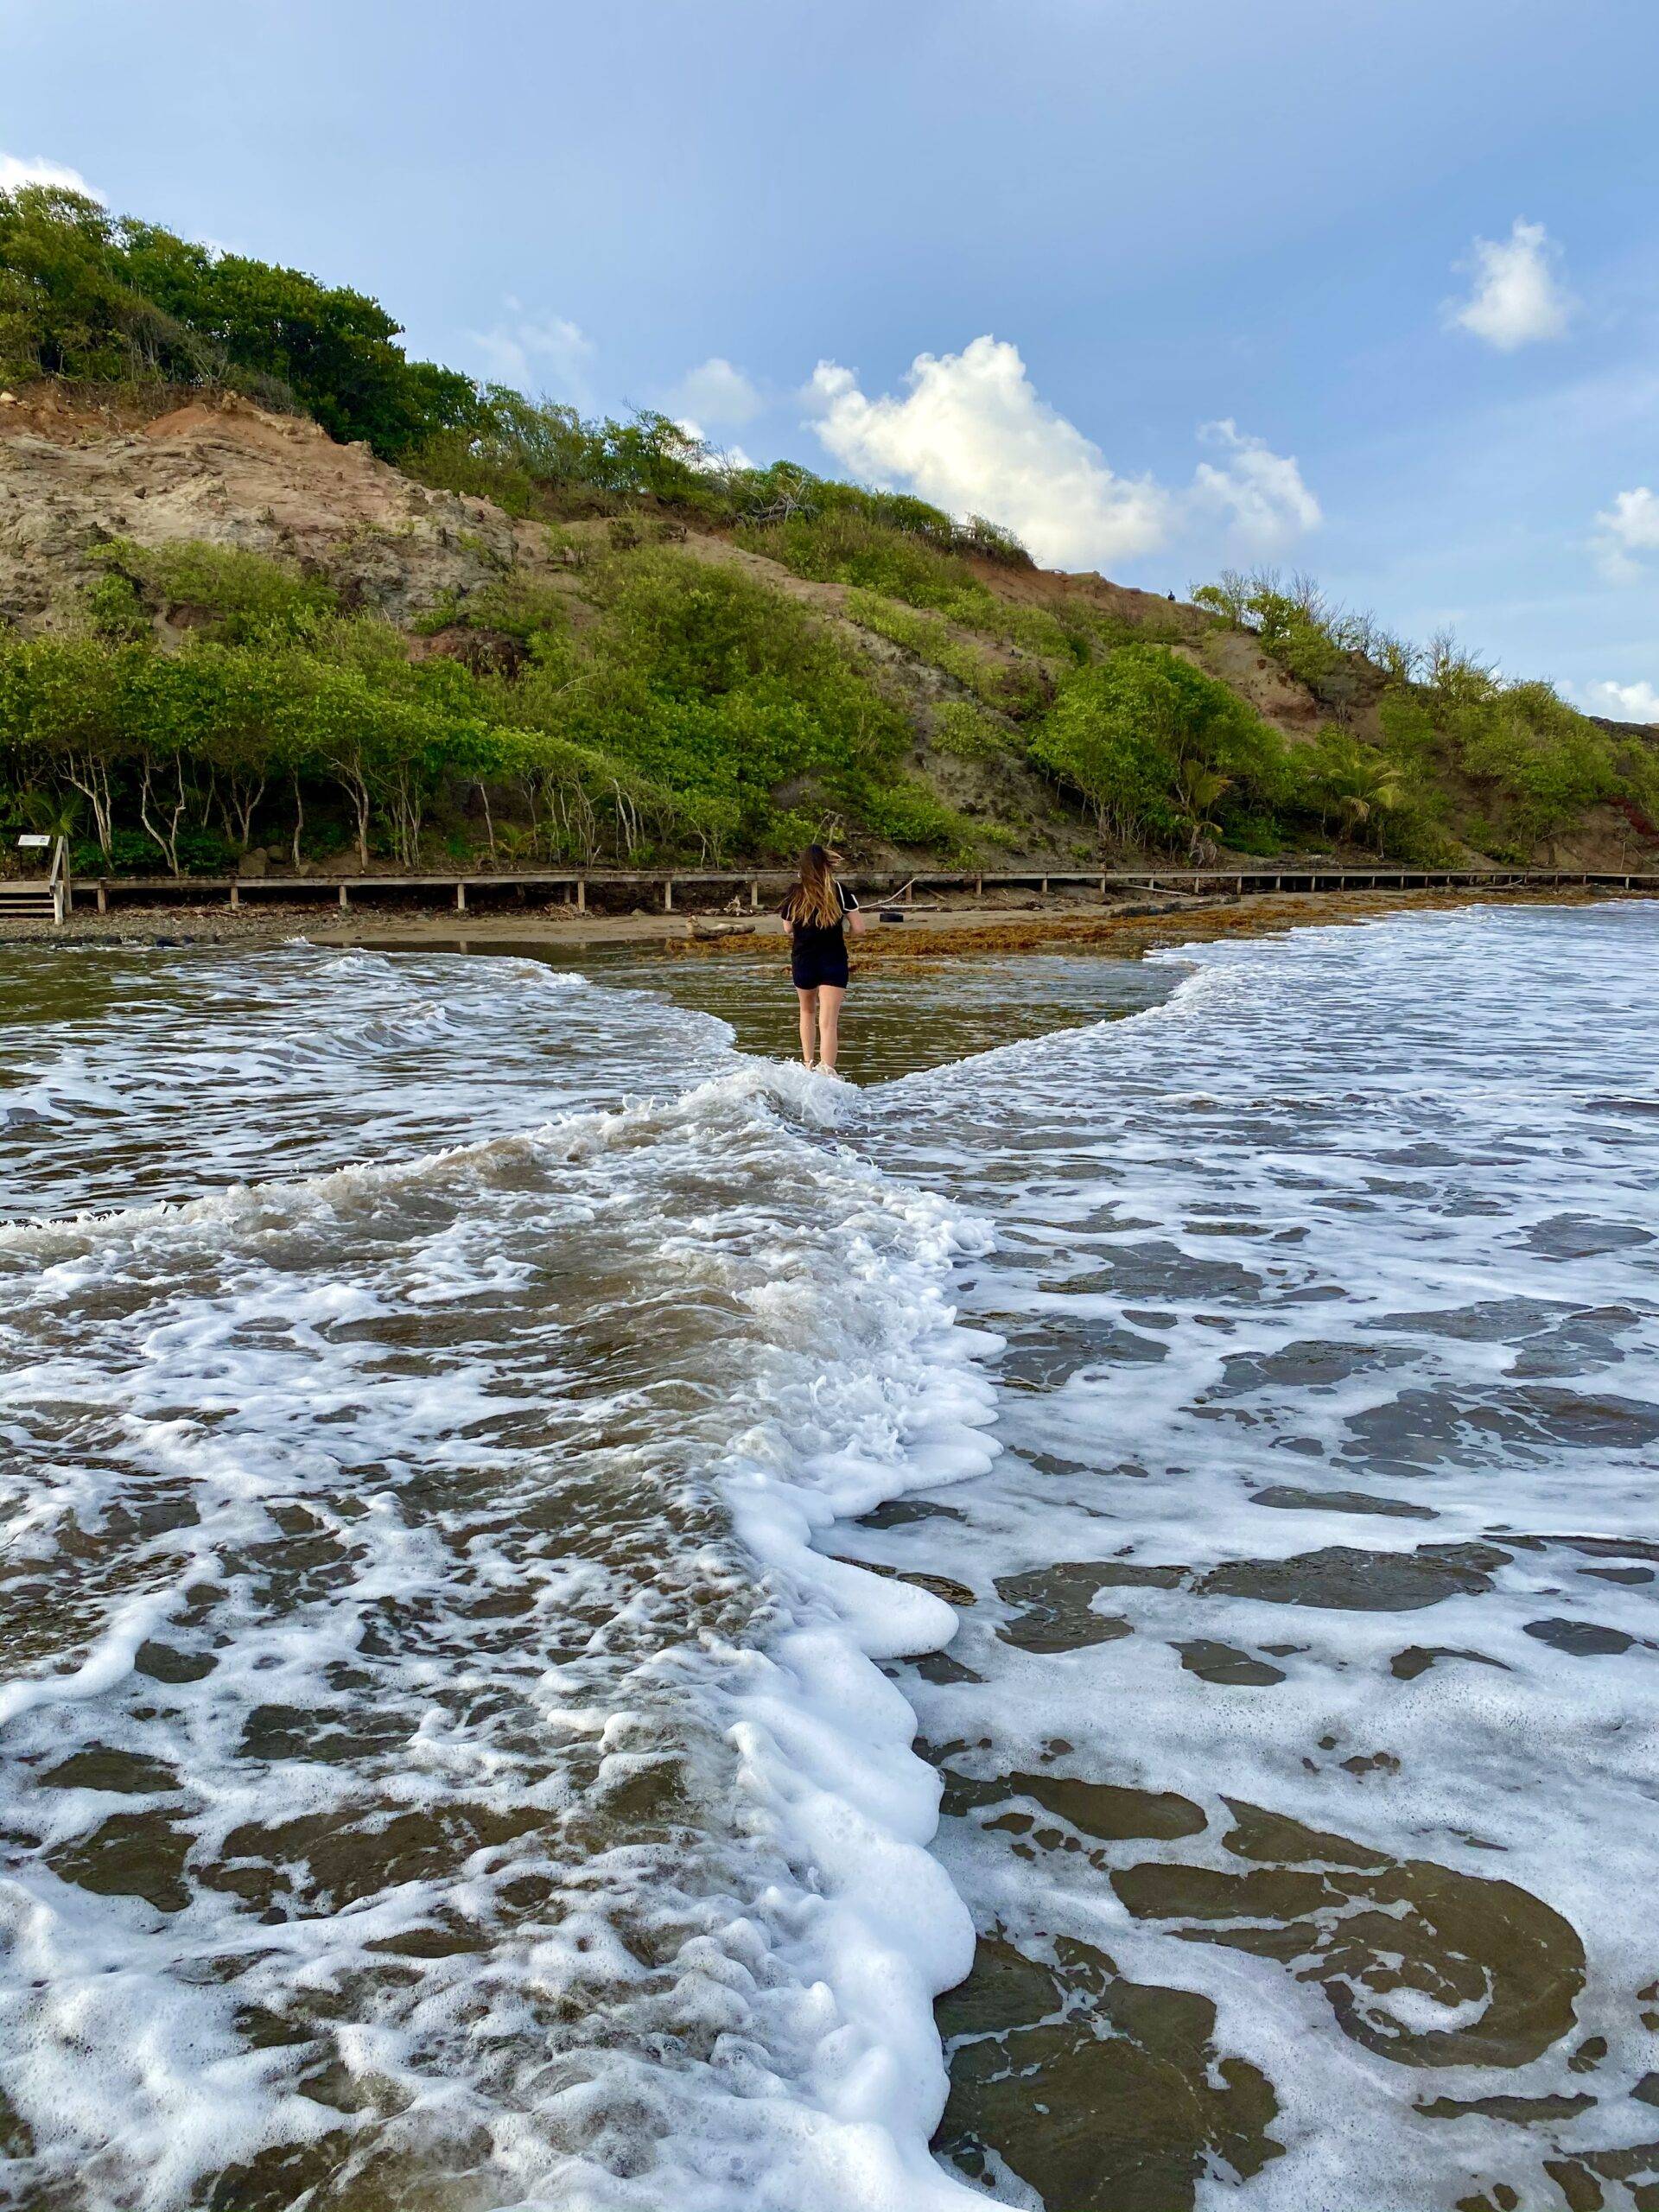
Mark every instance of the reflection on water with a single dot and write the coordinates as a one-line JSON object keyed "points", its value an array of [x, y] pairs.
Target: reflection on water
{"points": [[898, 1019]]}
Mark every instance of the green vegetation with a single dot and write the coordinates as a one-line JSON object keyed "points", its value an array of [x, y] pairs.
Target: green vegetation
{"points": [[1017, 688], [1159, 752], [1512, 764], [694, 700], [538, 457], [899, 552], [88, 295], [962, 728], [637, 702], [244, 593]]}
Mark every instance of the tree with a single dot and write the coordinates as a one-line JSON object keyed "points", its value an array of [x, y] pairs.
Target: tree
{"points": [[1152, 743], [62, 703], [1354, 785], [85, 293]]}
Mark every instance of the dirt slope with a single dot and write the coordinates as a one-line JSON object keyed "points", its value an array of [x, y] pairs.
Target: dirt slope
{"points": [[232, 475]]}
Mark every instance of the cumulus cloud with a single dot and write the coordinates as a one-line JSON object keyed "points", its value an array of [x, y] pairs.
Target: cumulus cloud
{"points": [[718, 393], [15, 172], [534, 351], [1259, 492], [971, 433], [1627, 532], [1517, 296], [1622, 703]]}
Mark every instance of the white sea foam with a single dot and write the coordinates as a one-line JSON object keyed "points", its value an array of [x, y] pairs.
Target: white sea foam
{"points": [[432, 1737], [1349, 1248], [444, 1763], [145, 1074]]}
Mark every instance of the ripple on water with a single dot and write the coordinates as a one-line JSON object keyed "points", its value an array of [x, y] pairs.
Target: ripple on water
{"points": [[1412, 1890]]}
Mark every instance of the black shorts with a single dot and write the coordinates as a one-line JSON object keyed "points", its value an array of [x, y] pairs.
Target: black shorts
{"points": [[811, 965]]}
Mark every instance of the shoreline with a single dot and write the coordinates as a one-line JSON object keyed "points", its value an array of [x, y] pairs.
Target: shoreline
{"points": [[1127, 929]]}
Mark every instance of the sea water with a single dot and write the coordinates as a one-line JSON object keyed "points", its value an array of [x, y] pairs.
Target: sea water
{"points": [[450, 1756]]}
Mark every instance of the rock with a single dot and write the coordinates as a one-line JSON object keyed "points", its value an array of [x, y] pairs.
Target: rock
{"points": [[253, 863]]}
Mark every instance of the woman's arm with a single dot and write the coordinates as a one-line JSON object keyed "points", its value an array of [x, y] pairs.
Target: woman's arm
{"points": [[856, 920]]}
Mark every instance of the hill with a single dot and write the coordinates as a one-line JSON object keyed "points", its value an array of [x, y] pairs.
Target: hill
{"points": [[231, 627]]}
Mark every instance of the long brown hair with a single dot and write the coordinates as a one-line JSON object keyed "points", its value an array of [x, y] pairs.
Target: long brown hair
{"points": [[816, 898]]}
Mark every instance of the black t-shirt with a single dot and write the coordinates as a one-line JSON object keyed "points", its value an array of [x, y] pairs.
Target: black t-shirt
{"points": [[818, 937]]}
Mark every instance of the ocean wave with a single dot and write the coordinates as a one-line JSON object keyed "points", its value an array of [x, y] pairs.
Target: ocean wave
{"points": [[444, 1761]]}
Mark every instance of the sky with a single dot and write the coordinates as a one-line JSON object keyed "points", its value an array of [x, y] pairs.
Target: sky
{"points": [[1366, 290]]}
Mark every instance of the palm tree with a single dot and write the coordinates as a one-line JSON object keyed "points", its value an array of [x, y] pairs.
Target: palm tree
{"points": [[1371, 787], [60, 814], [1201, 789], [1357, 784]]}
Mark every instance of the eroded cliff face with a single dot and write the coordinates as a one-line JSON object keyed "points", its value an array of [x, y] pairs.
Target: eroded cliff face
{"points": [[231, 474]]}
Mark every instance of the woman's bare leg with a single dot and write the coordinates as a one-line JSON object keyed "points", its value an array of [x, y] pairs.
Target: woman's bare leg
{"points": [[809, 1024], [829, 998]]}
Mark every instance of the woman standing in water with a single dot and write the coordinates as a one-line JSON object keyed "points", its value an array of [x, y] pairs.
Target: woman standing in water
{"points": [[818, 912]]}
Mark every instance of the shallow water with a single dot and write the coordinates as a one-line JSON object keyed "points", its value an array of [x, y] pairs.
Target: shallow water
{"points": [[1300, 1735], [444, 1761]]}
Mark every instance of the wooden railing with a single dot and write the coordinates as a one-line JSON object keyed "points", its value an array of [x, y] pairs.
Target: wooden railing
{"points": [[754, 888]]}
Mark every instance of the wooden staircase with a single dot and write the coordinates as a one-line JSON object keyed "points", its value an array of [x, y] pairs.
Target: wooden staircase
{"points": [[41, 898]]}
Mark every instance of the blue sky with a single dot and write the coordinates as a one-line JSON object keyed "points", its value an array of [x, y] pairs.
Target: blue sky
{"points": [[1168, 284]]}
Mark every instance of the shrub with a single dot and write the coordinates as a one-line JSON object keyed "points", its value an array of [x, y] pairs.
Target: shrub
{"points": [[515, 606], [1543, 763], [1154, 746], [845, 546], [962, 728], [1017, 688], [244, 593]]}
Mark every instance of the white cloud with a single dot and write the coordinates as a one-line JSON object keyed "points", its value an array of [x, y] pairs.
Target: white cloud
{"points": [[15, 172], [1262, 491], [1517, 296], [972, 437], [971, 433], [538, 352], [717, 392], [1628, 530], [1622, 703]]}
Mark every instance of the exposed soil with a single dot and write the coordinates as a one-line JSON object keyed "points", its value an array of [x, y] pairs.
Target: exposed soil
{"points": [[229, 474]]}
